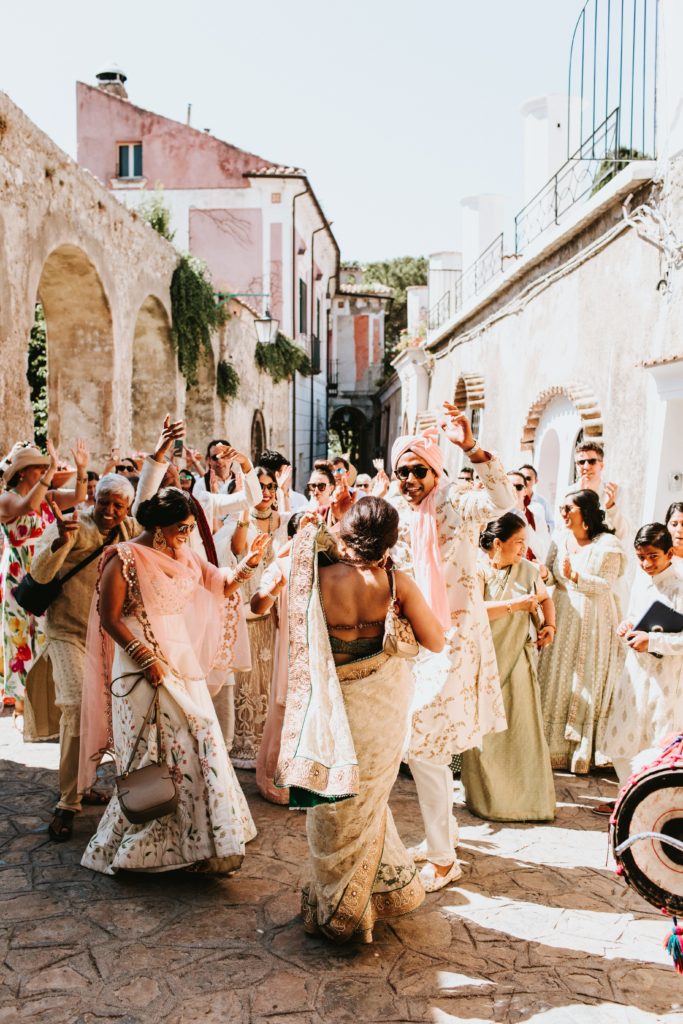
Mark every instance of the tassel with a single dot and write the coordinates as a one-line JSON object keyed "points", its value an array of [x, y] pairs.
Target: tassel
{"points": [[672, 945]]}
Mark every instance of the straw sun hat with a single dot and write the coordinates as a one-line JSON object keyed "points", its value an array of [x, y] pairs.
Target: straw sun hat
{"points": [[23, 454]]}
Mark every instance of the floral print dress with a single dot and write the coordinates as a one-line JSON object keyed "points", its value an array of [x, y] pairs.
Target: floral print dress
{"points": [[22, 633]]}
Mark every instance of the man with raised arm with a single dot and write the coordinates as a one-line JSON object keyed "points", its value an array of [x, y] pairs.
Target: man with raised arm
{"points": [[458, 698]]}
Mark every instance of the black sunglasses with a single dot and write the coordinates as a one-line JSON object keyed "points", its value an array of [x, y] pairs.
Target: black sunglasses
{"points": [[529, 479], [518, 487], [419, 472], [318, 487], [586, 462]]}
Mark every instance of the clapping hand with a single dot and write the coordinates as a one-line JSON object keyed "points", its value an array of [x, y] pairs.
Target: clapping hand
{"points": [[457, 427], [257, 549], [567, 570]]}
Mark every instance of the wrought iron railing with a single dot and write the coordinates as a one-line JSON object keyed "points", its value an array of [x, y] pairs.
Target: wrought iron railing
{"points": [[485, 268], [587, 170], [440, 312]]}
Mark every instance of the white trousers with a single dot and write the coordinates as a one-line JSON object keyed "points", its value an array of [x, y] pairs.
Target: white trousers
{"points": [[434, 784]]}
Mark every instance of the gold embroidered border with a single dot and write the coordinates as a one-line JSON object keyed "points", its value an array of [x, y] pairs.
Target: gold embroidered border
{"points": [[343, 780], [352, 909]]}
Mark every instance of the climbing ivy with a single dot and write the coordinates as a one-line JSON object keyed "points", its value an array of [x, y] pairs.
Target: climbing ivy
{"points": [[282, 359], [195, 315], [36, 373], [227, 381]]}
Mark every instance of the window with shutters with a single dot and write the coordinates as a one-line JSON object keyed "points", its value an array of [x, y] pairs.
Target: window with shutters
{"points": [[303, 303], [130, 160]]}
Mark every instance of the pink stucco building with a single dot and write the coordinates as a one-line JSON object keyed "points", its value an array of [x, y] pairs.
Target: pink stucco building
{"points": [[258, 225]]}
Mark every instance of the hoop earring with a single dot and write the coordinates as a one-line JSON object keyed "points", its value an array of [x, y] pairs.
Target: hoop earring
{"points": [[158, 539]]}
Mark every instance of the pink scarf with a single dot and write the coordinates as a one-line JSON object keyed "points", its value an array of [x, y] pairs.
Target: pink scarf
{"points": [[193, 625], [424, 534]]}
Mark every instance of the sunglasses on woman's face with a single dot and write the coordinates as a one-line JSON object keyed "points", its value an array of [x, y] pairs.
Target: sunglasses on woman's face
{"points": [[566, 509], [518, 487], [318, 487], [184, 529], [419, 472], [268, 487]]}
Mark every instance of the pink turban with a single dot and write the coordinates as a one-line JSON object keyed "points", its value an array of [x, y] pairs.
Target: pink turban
{"points": [[424, 534]]}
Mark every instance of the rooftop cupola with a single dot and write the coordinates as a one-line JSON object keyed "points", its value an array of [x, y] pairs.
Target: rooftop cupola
{"points": [[112, 79]]}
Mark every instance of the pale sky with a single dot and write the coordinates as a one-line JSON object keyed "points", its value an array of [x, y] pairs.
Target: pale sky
{"points": [[396, 108]]}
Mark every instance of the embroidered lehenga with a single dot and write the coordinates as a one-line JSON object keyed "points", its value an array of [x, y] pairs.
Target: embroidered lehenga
{"points": [[341, 766], [176, 608]]}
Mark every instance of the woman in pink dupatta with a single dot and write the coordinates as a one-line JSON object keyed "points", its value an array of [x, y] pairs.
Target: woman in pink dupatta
{"points": [[162, 613]]}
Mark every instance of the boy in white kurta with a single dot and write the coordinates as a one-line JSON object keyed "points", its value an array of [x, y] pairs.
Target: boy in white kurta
{"points": [[648, 700]]}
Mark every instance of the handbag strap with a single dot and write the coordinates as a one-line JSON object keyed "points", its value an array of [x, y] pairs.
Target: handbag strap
{"points": [[90, 558], [152, 710]]}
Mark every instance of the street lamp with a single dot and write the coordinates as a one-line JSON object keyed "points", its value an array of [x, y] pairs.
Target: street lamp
{"points": [[266, 328]]}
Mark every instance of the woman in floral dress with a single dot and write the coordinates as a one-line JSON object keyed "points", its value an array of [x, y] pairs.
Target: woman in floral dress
{"points": [[25, 512]]}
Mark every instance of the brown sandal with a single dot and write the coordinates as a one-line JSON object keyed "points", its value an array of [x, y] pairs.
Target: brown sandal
{"points": [[61, 826], [607, 807]]}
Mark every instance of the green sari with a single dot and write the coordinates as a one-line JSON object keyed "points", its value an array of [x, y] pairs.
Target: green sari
{"points": [[510, 778]]}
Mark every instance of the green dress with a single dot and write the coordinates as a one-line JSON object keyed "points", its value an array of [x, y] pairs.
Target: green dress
{"points": [[510, 778]]}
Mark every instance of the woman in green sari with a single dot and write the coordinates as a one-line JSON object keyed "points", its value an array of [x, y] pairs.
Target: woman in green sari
{"points": [[510, 778], [347, 717]]}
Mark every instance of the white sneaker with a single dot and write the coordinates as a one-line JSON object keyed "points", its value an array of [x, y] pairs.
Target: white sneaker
{"points": [[432, 882]]}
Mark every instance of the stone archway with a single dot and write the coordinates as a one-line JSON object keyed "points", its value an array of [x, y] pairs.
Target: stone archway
{"points": [[80, 350], [582, 398], [154, 381], [351, 428]]}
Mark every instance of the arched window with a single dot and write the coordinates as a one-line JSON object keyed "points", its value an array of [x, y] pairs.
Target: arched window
{"points": [[258, 436]]}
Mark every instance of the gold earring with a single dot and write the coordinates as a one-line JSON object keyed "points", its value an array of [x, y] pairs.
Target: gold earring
{"points": [[158, 540]]}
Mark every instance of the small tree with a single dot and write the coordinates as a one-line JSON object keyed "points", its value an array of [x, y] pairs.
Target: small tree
{"points": [[157, 215], [400, 273]]}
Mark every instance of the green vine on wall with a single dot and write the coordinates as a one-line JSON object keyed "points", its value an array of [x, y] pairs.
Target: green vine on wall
{"points": [[282, 359], [227, 381], [195, 315]]}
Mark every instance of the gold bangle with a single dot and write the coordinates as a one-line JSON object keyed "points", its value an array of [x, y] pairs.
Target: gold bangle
{"points": [[509, 607]]}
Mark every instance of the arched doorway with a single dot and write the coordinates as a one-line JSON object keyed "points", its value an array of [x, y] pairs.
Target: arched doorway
{"points": [[349, 434], [153, 385], [558, 416], [80, 350], [258, 436], [470, 398]]}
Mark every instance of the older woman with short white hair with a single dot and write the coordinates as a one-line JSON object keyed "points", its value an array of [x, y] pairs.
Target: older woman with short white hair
{"points": [[75, 542]]}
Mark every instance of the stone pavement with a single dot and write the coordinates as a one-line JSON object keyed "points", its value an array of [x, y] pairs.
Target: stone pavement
{"points": [[538, 929]]}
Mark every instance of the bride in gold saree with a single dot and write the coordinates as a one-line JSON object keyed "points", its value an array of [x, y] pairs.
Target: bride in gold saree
{"points": [[347, 718]]}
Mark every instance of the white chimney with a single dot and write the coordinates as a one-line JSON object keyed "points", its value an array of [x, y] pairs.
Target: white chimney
{"points": [[483, 219], [546, 146], [417, 306]]}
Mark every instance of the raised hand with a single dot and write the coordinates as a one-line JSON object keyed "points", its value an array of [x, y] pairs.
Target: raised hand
{"points": [[283, 478], [65, 527], [171, 431], [610, 495], [81, 455], [257, 549], [457, 427], [342, 500], [54, 458], [226, 451]]}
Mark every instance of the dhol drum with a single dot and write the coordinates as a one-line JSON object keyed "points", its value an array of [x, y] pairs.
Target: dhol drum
{"points": [[646, 830]]}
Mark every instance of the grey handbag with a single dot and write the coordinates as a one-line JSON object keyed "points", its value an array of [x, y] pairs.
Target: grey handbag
{"points": [[149, 792]]}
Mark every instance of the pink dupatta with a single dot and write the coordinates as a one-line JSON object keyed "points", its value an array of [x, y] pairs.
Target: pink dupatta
{"points": [[187, 619]]}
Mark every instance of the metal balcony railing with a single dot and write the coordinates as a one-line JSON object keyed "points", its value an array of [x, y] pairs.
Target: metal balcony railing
{"points": [[485, 268]]}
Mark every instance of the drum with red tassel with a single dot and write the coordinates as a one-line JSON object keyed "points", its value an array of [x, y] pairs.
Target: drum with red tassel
{"points": [[646, 834]]}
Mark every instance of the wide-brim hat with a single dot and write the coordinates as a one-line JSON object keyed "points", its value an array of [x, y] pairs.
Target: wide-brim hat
{"points": [[23, 454]]}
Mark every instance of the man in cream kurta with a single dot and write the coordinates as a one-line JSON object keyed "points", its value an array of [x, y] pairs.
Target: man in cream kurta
{"points": [[458, 698]]}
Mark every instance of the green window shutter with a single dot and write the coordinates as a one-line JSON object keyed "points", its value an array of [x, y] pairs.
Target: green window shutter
{"points": [[302, 306], [137, 160], [123, 162]]}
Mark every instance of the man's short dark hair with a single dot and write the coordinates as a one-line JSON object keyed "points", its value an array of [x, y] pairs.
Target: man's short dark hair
{"points": [[218, 440], [591, 446], [345, 462], [467, 471], [273, 461], [655, 535], [92, 475], [527, 465]]}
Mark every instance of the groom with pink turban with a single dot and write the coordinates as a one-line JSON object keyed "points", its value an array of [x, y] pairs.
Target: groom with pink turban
{"points": [[457, 698]]}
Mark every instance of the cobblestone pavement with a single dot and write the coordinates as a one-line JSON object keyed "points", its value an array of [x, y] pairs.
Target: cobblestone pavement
{"points": [[538, 929]]}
